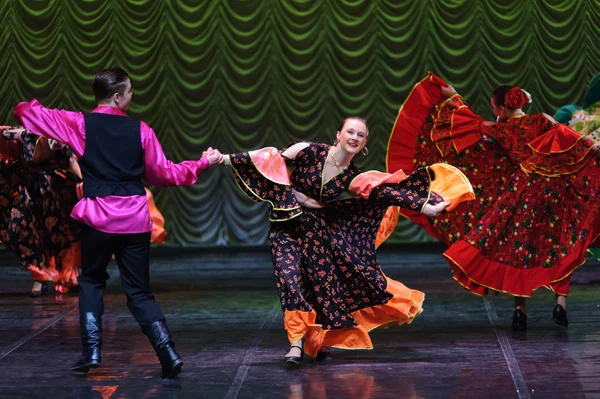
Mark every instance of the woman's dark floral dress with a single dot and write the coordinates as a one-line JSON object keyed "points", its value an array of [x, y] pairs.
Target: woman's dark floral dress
{"points": [[331, 287], [35, 204]]}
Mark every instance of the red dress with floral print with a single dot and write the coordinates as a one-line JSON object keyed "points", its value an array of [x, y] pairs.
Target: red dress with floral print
{"points": [[537, 187], [331, 287]]}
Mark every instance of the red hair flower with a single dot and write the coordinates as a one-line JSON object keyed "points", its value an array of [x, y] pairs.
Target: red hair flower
{"points": [[516, 97]]}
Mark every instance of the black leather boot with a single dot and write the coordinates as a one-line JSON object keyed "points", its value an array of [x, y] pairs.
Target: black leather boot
{"points": [[519, 322], [91, 337], [163, 344], [559, 314]]}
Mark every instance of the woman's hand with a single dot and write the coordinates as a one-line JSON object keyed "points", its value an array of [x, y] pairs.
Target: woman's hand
{"points": [[306, 201], [214, 156], [448, 91], [434, 210], [13, 133]]}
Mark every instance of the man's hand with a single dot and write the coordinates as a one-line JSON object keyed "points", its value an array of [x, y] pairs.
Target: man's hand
{"points": [[214, 156]]}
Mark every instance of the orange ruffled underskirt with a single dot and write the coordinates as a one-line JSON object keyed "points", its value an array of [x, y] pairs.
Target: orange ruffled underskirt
{"points": [[71, 257], [67, 276], [405, 305]]}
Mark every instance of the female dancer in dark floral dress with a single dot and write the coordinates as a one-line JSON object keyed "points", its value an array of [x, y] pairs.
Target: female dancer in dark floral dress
{"points": [[537, 185], [38, 193], [327, 218]]}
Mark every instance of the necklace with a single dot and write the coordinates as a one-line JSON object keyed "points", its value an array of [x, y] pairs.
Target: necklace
{"points": [[337, 164]]}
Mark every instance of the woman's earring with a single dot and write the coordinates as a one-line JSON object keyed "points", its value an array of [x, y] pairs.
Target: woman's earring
{"points": [[365, 151], [336, 142]]}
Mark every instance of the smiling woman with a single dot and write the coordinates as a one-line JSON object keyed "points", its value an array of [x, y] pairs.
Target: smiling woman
{"points": [[328, 217]]}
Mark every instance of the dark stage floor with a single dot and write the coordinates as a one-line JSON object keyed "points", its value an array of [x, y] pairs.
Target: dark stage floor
{"points": [[224, 314]]}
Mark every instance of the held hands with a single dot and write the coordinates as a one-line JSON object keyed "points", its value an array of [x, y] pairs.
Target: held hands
{"points": [[214, 156], [306, 201], [434, 210], [448, 91]]}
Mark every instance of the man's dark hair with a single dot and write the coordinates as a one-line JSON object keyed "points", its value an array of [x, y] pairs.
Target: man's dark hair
{"points": [[108, 82]]}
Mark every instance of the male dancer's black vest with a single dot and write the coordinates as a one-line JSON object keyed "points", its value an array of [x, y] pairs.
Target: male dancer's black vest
{"points": [[113, 159]]}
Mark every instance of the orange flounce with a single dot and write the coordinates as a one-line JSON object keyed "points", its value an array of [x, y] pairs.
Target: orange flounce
{"points": [[158, 221], [70, 261], [44, 274], [405, 305], [448, 182], [271, 165]]}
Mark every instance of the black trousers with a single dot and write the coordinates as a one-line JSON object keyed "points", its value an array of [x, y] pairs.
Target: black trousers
{"points": [[132, 252]]}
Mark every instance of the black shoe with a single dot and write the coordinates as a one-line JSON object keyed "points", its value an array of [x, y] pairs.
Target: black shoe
{"points": [[519, 322], [163, 344], [91, 338], [324, 354], [73, 290], [294, 361], [559, 314]]}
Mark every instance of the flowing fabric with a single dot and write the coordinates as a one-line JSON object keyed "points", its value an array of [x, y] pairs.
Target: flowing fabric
{"points": [[36, 199], [537, 185], [331, 286]]}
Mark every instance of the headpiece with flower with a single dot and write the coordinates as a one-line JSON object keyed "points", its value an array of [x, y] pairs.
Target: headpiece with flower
{"points": [[516, 97]]}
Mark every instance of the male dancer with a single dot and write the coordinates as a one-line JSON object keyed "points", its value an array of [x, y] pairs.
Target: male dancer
{"points": [[115, 153]]}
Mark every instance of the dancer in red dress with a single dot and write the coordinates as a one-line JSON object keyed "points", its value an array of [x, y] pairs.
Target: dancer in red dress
{"points": [[537, 185]]}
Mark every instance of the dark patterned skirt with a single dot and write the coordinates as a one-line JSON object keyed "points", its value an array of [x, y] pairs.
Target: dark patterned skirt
{"points": [[331, 287]]}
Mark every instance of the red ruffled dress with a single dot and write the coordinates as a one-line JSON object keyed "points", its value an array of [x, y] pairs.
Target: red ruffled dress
{"points": [[537, 187]]}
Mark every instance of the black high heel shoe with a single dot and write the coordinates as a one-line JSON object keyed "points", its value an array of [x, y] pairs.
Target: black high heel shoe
{"points": [[294, 361], [324, 354], [519, 322], [559, 314]]}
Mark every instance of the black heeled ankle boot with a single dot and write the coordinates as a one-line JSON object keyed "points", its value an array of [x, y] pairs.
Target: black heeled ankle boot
{"points": [[91, 337], [559, 314], [163, 344], [519, 322]]}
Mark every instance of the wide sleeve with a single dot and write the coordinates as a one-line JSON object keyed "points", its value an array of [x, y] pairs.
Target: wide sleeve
{"points": [[415, 190], [455, 126], [449, 124], [558, 151], [432, 184], [64, 126], [263, 176], [160, 171]]}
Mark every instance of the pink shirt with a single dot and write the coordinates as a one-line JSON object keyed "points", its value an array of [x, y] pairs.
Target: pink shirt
{"points": [[113, 214]]}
